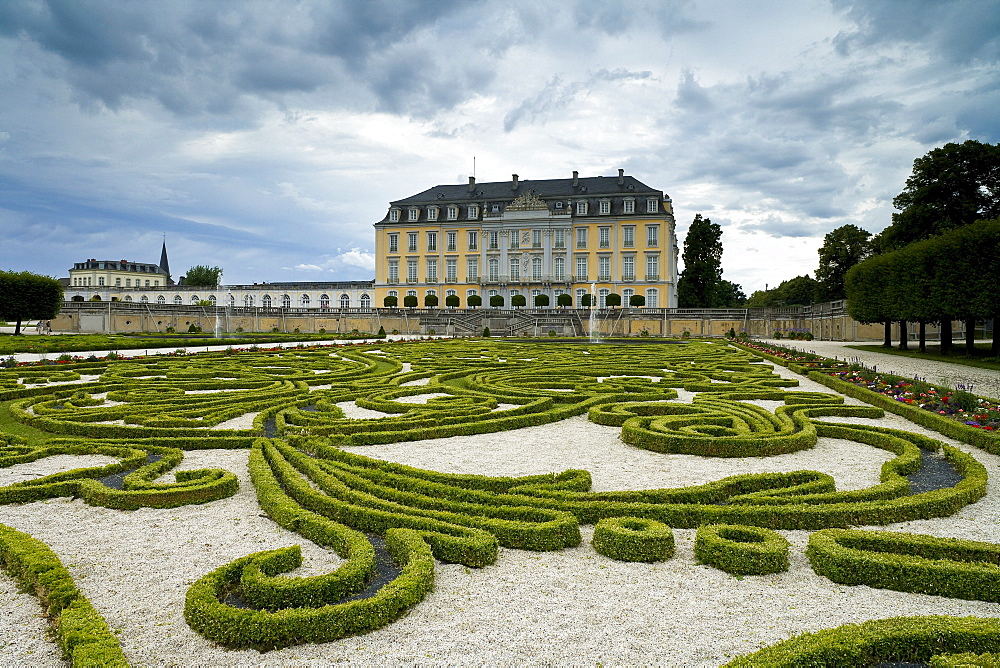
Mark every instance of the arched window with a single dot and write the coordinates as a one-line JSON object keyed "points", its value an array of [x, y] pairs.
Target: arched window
{"points": [[248, 301], [652, 298], [266, 301], [394, 293], [411, 293], [195, 299], [345, 301], [602, 296], [432, 292], [128, 298], [144, 299], [366, 301], [469, 293], [580, 292], [211, 298], [304, 300], [324, 300], [178, 299], [160, 299], [627, 296], [286, 301], [232, 300]]}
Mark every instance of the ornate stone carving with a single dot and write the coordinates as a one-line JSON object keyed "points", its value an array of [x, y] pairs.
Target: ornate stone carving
{"points": [[529, 201]]}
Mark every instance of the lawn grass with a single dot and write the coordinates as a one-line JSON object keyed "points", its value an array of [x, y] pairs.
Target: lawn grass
{"points": [[981, 360], [8, 425]]}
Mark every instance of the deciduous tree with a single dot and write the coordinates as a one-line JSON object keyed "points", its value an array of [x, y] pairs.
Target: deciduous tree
{"points": [[842, 248], [203, 275], [697, 285], [28, 296]]}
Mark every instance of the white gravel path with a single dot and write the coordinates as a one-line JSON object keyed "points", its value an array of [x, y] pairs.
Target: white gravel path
{"points": [[571, 607]]}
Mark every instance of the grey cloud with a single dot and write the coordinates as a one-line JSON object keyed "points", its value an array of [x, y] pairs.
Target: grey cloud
{"points": [[774, 226]]}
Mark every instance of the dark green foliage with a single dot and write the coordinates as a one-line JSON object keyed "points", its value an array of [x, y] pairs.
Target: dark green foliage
{"points": [[452, 301], [700, 284], [637, 300], [613, 300], [565, 299], [475, 300], [27, 296], [633, 539], [741, 550], [587, 300], [203, 275], [951, 186], [390, 301], [430, 301], [541, 300], [496, 301], [842, 248], [518, 301], [410, 301], [486, 332], [381, 332]]}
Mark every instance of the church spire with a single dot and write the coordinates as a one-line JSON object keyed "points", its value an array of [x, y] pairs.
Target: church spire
{"points": [[164, 263]]}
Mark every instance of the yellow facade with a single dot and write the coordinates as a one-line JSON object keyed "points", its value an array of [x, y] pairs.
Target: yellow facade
{"points": [[552, 237], [101, 274]]}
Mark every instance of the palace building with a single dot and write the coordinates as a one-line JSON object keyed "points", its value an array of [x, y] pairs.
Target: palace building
{"points": [[593, 235]]}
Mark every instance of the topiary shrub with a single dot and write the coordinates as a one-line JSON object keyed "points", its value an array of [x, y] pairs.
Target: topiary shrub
{"points": [[633, 539], [486, 332], [731, 333], [381, 332], [741, 550]]}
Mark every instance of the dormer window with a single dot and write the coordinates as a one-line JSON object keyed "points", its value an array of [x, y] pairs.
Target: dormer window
{"points": [[432, 212], [414, 213], [628, 205], [605, 207], [652, 205], [452, 212], [473, 211], [559, 205], [393, 215], [581, 208]]}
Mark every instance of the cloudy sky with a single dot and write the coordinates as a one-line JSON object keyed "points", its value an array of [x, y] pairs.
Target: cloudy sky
{"points": [[268, 137]]}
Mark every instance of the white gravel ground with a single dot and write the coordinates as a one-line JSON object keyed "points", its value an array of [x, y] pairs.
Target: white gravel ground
{"points": [[571, 607]]}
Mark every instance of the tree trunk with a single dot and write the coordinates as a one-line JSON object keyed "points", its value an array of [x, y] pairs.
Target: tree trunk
{"points": [[903, 338], [945, 337], [970, 337], [887, 342], [923, 336], [17, 327]]}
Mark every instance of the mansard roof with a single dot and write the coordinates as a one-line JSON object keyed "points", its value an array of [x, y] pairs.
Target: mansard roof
{"points": [[592, 186]]}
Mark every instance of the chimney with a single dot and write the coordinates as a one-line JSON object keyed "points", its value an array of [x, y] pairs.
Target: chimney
{"points": [[576, 178], [621, 177], [513, 184], [472, 183]]}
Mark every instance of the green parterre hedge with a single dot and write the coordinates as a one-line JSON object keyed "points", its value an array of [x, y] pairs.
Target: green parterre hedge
{"points": [[741, 550], [295, 410]]}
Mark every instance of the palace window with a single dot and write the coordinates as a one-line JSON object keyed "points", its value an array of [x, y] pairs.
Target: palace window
{"points": [[324, 300], [514, 239], [286, 301], [393, 215], [536, 238], [536, 268], [627, 296], [128, 283], [411, 271], [194, 299], [581, 268], [345, 301], [266, 301], [473, 212], [411, 242], [652, 298], [100, 280], [628, 237], [304, 301], [604, 268], [604, 237], [144, 299], [559, 240], [366, 301], [414, 213], [211, 298], [160, 299], [602, 297], [628, 205], [178, 299], [652, 269], [581, 208], [515, 269], [473, 240], [652, 236], [128, 298], [432, 270], [494, 240], [452, 212], [432, 241], [605, 207], [628, 268], [451, 269], [452, 237], [248, 301], [560, 268], [432, 213], [393, 243], [652, 205], [581, 237], [472, 269], [494, 269], [393, 271]]}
